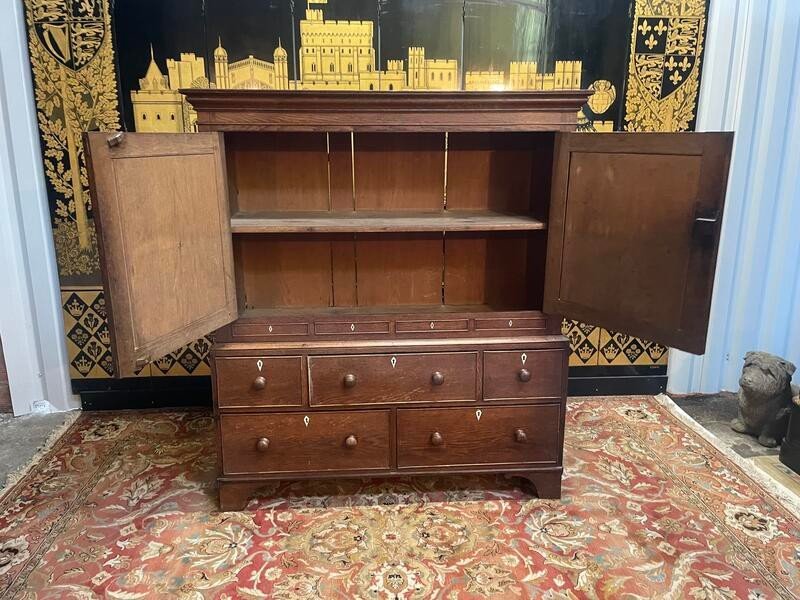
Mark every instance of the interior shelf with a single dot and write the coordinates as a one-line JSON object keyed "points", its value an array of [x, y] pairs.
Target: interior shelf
{"points": [[383, 221]]}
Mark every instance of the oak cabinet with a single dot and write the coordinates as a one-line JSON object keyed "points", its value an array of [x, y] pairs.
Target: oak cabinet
{"points": [[385, 272]]}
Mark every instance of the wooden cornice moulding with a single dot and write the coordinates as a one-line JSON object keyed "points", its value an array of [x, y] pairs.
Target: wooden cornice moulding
{"points": [[254, 110]]}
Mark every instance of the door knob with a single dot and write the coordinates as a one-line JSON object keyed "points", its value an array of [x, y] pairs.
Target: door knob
{"points": [[437, 378], [349, 380], [524, 375], [262, 444], [351, 441], [260, 382], [436, 438]]}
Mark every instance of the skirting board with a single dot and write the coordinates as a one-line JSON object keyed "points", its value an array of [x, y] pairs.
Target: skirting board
{"points": [[178, 392]]}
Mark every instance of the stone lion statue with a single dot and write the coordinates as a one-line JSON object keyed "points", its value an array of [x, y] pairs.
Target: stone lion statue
{"points": [[765, 397]]}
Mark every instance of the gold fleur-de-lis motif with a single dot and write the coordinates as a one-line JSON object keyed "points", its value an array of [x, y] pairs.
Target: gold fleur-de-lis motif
{"points": [[685, 63], [644, 27], [651, 42], [675, 77], [671, 63], [661, 27]]}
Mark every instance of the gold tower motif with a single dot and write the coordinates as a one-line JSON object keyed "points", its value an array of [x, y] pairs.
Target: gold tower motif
{"points": [[333, 55]]}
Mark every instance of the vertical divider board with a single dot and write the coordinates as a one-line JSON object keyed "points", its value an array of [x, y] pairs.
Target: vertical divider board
{"points": [[344, 267]]}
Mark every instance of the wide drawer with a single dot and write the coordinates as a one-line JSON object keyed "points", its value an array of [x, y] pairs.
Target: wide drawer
{"points": [[523, 374], [392, 378], [255, 382], [297, 442], [468, 436]]}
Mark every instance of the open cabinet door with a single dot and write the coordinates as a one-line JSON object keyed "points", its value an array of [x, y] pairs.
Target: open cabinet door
{"points": [[633, 232], [160, 205]]}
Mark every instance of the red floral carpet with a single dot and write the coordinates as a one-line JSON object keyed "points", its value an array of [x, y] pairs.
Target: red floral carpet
{"points": [[124, 507]]}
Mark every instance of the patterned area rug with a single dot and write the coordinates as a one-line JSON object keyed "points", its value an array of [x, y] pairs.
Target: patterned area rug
{"points": [[123, 506]]}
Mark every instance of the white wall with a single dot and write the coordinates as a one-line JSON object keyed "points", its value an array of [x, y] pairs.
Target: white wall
{"points": [[31, 325], [751, 85]]}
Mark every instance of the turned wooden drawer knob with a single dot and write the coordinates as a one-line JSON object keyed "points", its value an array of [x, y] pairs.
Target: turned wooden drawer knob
{"points": [[260, 382], [520, 436], [262, 444], [437, 378], [436, 438], [349, 380], [351, 441], [524, 375]]}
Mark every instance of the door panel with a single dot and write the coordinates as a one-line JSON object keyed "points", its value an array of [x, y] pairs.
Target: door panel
{"points": [[633, 232], [161, 210]]}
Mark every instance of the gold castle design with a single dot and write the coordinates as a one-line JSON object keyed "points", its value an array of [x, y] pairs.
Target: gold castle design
{"points": [[334, 55]]}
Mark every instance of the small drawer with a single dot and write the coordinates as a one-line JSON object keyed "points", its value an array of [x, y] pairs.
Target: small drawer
{"points": [[523, 374], [350, 327], [510, 324], [432, 326], [257, 382], [298, 442], [469, 436], [269, 329], [392, 378]]}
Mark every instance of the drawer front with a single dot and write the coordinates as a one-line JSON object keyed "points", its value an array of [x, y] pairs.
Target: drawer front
{"points": [[255, 382], [523, 374], [297, 442], [269, 329], [510, 324], [391, 378], [350, 327], [467, 436], [432, 326]]}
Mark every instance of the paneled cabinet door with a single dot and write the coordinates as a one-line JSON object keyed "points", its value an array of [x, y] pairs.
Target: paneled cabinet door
{"points": [[161, 211], [633, 232]]}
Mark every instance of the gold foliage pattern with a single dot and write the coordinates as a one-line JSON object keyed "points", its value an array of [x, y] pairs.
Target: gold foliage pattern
{"points": [[72, 60]]}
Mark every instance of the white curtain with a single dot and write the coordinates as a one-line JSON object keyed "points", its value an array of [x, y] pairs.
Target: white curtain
{"points": [[751, 85]]}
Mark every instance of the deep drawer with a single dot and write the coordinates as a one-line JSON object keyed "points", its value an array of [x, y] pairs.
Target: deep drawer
{"points": [[297, 442], [523, 374], [467, 436], [255, 382], [392, 378]]}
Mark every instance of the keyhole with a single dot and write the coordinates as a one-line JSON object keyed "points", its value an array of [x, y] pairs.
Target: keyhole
{"points": [[306, 420], [260, 364], [478, 414]]}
